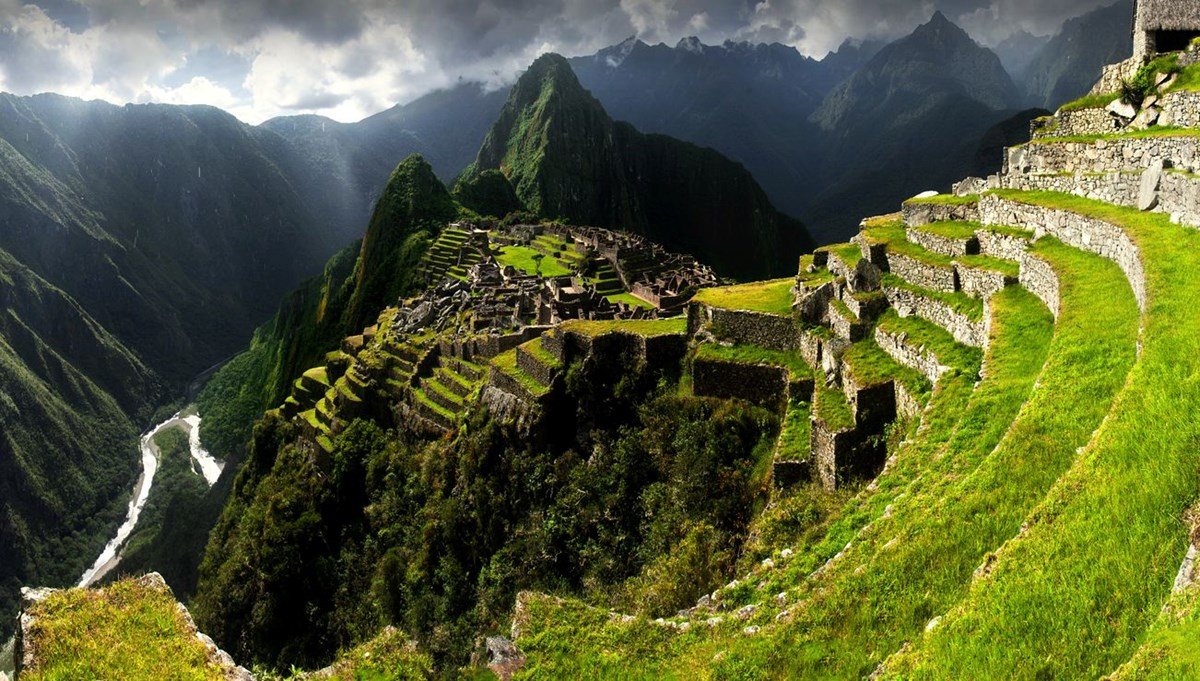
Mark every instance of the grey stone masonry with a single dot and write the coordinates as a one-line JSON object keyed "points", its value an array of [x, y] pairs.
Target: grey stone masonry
{"points": [[1078, 231], [1003, 246], [942, 244], [926, 275], [760, 329], [531, 365], [902, 349], [1181, 109], [920, 213], [756, 383], [1113, 74], [957, 324], [980, 282], [1177, 195], [1039, 278], [1103, 156], [831, 452], [907, 405], [876, 254], [1095, 121]]}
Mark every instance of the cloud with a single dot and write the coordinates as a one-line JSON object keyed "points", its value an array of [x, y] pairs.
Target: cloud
{"points": [[352, 58]]}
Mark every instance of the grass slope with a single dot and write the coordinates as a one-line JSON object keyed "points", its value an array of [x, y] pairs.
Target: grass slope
{"points": [[1073, 595]]}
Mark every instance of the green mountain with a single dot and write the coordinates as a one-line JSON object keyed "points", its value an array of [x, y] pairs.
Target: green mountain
{"points": [[566, 158]]}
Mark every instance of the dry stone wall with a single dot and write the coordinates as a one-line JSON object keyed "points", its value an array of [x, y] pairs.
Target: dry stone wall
{"points": [[942, 244], [920, 213], [1078, 231], [759, 384], [980, 283], [901, 348], [1040, 279], [760, 329], [1176, 193], [1103, 156], [963, 328], [1003, 246], [933, 277]]}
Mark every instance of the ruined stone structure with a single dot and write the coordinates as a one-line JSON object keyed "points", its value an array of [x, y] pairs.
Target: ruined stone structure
{"points": [[1164, 26]]}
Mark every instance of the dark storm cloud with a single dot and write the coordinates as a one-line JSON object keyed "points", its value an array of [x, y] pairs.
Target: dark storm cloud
{"points": [[351, 57]]}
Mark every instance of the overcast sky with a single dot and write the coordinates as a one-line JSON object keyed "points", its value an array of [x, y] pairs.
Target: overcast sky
{"points": [[350, 58]]}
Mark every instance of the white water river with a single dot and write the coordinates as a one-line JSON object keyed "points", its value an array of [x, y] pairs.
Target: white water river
{"points": [[203, 464]]}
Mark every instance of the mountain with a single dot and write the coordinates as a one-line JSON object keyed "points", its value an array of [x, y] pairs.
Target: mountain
{"points": [[907, 121], [745, 101], [1070, 64], [1017, 51], [565, 157], [352, 161]]}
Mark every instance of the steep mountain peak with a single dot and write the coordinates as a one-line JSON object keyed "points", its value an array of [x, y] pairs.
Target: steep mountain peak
{"points": [[691, 44], [939, 29]]}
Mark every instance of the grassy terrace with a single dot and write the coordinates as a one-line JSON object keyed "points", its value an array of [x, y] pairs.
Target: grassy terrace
{"points": [[944, 200], [1090, 102], [831, 406], [144, 636], [526, 260], [951, 230], [773, 297], [507, 363], [318, 374], [543, 356], [1097, 563], [629, 299], [847, 253], [1009, 268], [959, 302], [795, 437], [934, 338], [870, 365], [1149, 133], [749, 354], [570, 639], [650, 328]]}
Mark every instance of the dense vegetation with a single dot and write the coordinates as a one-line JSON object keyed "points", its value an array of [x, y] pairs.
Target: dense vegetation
{"points": [[638, 497]]}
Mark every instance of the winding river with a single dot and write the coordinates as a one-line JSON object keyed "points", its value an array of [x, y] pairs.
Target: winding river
{"points": [[202, 464]]}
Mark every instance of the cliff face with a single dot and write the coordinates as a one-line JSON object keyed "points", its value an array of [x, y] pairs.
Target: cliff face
{"points": [[566, 158]]}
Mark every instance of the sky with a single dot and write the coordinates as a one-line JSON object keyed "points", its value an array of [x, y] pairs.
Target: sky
{"points": [[347, 59]]}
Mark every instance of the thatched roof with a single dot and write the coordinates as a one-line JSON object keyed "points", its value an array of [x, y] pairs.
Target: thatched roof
{"points": [[1168, 15]]}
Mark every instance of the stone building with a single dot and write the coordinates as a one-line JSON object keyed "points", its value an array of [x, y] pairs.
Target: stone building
{"points": [[1164, 26]]}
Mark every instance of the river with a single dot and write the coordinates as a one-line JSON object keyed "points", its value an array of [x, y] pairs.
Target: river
{"points": [[202, 464]]}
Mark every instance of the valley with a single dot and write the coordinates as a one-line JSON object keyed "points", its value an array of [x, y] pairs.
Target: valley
{"points": [[704, 360]]}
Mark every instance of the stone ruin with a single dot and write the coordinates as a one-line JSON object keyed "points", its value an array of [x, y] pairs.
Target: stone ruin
{"points": [[1162, 26]]}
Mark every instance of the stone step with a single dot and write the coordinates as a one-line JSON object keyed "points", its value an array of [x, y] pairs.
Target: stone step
{"points": [[453, 382], [844, 324], [431, 411]]}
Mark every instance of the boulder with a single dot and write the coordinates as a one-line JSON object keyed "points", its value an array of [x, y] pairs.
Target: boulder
{"points": [[1148, 190], [504, 658], [1120, 109]]}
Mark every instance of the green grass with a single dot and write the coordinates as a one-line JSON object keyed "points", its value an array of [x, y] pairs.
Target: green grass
{"points": [[934, 338], [972, 308], [1155, 132], [750, 354], [945, 200], [630, 299], [650, 328], [124, 631], [507, 363], [1005, 230], [831, 406], [773, 297], [541, 354], [1008, 268], [525, 259], [318, 374], [560, 639], [951, 230], [1075, 595], [847, 253], [1090, 102], [795, 437], [870, 365]]}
